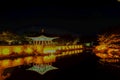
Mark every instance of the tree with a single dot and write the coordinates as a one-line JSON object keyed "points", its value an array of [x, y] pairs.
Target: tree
{"points": [[109, 44], [9, 37]]}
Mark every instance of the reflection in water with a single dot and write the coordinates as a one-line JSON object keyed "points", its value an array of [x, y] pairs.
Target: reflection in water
{"points": [[7, 63], [9, 51], [42, 68]]}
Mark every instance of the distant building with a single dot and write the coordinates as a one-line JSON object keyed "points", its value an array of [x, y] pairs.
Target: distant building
{"points": [[42, 39]]}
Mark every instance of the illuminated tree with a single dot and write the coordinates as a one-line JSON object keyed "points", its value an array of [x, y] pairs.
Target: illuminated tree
{"points": [[109, 44], [9, 37]]}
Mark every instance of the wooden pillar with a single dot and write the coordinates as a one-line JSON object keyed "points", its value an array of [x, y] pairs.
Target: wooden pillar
{"points": [[34, 42], [51, 42], [46, 43], [42, 42], [37, 42]]}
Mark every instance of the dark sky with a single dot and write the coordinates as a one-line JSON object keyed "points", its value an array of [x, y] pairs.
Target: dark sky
{"points": [[82, 18]]}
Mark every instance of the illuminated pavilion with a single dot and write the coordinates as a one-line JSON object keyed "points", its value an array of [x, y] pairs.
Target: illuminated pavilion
{"points": [[42, 39]]}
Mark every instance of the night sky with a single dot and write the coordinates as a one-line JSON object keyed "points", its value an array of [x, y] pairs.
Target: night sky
{"points": [[78, 18]]}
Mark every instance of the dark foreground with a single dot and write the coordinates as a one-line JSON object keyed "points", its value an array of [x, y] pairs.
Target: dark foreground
{"points": [[78, 67]]}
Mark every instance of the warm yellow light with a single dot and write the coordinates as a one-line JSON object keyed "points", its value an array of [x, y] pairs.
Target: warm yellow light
{"points": [[73, 47], [80, 46], [38, 60], [58, 48], [17, 49], [28, 60], [63, 47], [70, 52], [73, 52], [46, 59], [69, 47], [63, 53], [5, 63], [80, 51], [77, 46], [102, 55], [39, 49], [17, 62], [52, 58], [49, 59], [49, 50], [28, 50], [101, 47], [6, 51], [0, 51]]}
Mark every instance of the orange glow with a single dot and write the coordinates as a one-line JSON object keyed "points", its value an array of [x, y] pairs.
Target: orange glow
{"points": [[63, 53], [0, 52], [31, 49], [73, 52], [18, 61], [101, 47], [66, 53], [5, 63], [75, 46], [39, 49], [80, 51], [7, 50], [102, 55], [108, 46], [70, 47], [28, 60], [80, 46], [38, 60]]}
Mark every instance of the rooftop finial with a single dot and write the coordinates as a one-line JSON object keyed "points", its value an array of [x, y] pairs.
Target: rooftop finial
{"points": [[42, 30]]}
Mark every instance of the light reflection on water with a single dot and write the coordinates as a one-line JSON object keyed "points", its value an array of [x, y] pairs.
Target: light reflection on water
{"points": [[7, 63]]}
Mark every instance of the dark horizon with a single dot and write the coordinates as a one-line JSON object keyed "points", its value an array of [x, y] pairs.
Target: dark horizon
{"points": [[89, 19]]}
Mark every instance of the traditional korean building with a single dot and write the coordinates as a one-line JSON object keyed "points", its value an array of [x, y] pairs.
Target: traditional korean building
{"points": [[42, 39]]}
